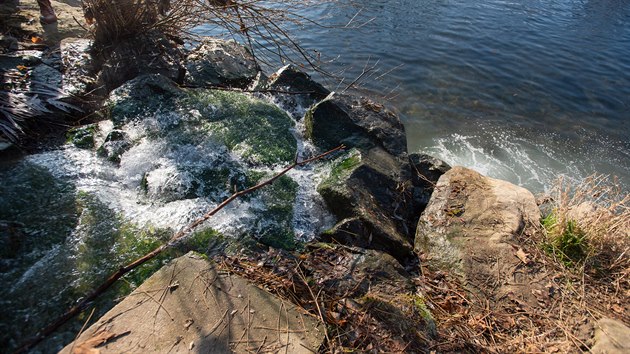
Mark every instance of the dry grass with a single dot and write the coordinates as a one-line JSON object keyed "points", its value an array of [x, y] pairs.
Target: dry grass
{"points": [[264, 26], [117, 20], [587, 228]]}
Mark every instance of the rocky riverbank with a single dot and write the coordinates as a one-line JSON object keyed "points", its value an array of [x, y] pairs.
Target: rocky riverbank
{"points": [[374, 249]]}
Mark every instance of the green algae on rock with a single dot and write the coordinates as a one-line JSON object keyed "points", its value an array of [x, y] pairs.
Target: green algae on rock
{"points": [[256, 130], [83, 136]]}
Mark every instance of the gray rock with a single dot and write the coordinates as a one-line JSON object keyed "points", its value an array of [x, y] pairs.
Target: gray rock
{"points": [[202, 310], [355, 122], [218, 62], [611, 337], [471, 228]]}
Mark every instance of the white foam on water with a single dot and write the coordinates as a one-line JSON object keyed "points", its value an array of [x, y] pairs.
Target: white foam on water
{"points": [[534, 162]]}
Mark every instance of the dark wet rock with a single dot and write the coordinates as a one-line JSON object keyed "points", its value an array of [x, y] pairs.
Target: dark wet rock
{"points": [[115, 145], [143, 95], [149, 54], [294, 90], [217, 62], [369, 193], [83, 137], [425, 171], [355, 122], [8, 44]]}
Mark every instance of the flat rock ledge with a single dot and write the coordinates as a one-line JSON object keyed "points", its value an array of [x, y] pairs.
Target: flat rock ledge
{"points": [[190, 306]]}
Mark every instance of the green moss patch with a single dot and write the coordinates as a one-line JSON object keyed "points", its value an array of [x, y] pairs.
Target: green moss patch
{"points": [[83, 137], [253, 129]]}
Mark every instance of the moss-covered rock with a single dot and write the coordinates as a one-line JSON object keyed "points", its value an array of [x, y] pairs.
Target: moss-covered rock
{"points": [[256, 130], [141, 97], [116, 143], [278, 200], [83, 136], [333, 188]]}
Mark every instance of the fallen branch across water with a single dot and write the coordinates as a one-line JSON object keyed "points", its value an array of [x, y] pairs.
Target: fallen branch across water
{"points": [[180, 235]]}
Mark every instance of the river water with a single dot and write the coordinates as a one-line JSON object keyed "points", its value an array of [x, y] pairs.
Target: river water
{"points": [[519, 90]]}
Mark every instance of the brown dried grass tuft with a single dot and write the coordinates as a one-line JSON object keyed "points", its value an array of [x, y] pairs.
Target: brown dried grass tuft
{"points": [[587, 227]]}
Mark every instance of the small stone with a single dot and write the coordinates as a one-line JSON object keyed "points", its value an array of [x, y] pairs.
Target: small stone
{"points": [[611, 337]]}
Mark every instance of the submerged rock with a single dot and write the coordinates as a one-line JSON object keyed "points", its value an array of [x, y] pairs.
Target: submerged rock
{"points": [[217, 62], [202, 310], [83, 136], [115, 145]]}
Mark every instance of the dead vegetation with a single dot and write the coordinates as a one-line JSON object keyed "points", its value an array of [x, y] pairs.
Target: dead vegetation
{"points": [[568, 298], [587, 228], [262, 25], [358, 317]]}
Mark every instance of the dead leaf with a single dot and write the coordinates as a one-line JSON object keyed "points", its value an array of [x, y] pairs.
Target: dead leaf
{"points": [[522, 256], [22, 67], [618, 309], [89, 346], [37, 40]]}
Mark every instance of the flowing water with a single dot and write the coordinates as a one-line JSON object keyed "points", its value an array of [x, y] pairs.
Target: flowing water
{"points": [[70, 216], [519, 90]]}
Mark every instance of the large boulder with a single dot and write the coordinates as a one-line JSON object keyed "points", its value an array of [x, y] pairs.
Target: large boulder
{"points": [[375, 190], [190, 305], [366, 191], [472, 228], [217, 62], [355, 122]]}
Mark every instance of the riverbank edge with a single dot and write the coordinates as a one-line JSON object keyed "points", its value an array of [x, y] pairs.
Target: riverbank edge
{"points": [[424, 252]]}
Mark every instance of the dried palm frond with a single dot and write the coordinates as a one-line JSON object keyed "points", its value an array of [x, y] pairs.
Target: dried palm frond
{"points": [[20, 105]]}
